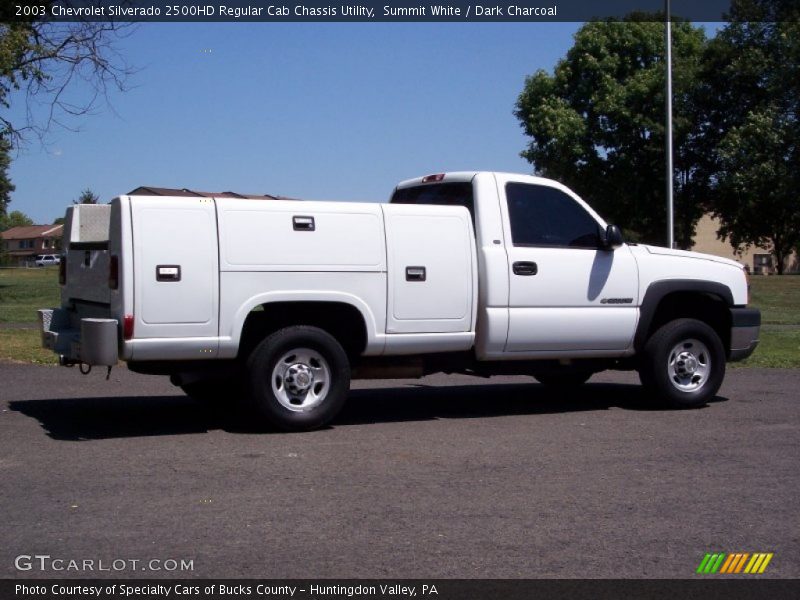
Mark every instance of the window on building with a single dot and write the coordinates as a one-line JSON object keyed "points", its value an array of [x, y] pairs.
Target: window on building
{"points": [[763, 260]]}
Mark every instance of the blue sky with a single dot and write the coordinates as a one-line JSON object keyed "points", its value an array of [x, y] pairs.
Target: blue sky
{"points": [[321, 111]]}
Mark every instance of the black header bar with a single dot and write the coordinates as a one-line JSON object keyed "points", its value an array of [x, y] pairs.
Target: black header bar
{"points": [[359, 11], [400, 589]]}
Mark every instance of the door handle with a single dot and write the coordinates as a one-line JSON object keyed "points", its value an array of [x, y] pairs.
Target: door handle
{"points": [[168, 273], [525, 268], [301, 223], [416, 274]]}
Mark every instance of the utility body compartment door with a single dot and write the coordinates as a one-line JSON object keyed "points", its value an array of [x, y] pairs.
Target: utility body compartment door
{"points": [[176, 267], [432, 280]]}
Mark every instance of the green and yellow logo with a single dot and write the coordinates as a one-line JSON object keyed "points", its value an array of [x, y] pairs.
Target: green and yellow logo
{"points": [[738, 562]]}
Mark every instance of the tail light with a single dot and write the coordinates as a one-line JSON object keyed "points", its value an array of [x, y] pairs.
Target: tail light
{"points": [[127, 327], [433, 178], [62, 271], [113, 272]]}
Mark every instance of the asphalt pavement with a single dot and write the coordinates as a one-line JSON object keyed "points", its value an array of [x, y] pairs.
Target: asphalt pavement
{"points": [[444, 477]]}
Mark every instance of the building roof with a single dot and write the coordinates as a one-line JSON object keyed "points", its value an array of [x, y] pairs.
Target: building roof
{"points": [[32, 232], [146, 190]]}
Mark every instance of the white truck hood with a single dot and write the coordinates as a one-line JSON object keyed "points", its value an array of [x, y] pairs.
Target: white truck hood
{"points": [[686, 254]]}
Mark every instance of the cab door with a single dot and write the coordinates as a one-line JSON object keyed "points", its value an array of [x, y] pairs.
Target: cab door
{"points": [[176, 267], [566, 292]]}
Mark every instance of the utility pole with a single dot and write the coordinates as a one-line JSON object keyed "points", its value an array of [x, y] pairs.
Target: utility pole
{"points": [[670, 214]]}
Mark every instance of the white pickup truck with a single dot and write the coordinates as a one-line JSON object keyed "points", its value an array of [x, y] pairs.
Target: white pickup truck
{"points": [[470, 272]]}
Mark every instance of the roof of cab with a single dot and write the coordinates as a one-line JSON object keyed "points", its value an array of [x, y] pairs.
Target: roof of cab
{"points": [[461, 176]]}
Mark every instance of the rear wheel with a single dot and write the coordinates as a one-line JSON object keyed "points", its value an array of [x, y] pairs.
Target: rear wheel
{"points": [[298, 378], [683, 363]]}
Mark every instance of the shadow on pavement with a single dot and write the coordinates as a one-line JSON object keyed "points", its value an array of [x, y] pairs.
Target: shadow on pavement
{"points": [[421, 402], [76, 419]]}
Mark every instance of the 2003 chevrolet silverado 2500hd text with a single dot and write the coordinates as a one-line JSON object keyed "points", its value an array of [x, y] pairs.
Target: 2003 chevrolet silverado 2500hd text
{"points": [[475, 272]]}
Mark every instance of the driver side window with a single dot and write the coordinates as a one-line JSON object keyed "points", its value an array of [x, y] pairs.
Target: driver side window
{"points": [[545, 216]]}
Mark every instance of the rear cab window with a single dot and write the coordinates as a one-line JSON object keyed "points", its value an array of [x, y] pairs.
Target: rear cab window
{"points": [[457, 193]]}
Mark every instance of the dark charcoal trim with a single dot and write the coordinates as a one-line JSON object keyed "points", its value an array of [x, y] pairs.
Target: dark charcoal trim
{"points": [[741, 354], [659, 289], [745, 317]]}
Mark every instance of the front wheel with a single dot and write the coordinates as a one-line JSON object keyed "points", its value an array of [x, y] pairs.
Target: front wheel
{"points": [[298, 378], [683, 363]]}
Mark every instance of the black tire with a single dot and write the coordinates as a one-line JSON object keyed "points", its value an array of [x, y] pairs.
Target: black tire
{"points": [[298, 378], [683, 364], [567, 378]]}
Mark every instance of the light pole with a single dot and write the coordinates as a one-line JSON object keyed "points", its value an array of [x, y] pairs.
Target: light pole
{"points": [[670, 216]]}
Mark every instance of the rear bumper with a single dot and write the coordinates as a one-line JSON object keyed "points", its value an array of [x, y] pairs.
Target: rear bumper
{"points": [[745, 328], [91, 341]]}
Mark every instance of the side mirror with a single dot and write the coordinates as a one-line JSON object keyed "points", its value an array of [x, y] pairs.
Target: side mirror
{"points": [[612, 238]]}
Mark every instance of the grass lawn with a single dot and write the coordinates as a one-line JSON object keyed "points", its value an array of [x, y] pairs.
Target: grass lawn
{"points": [[22, 291], [779, 301], [777, 349], [777, 297], [24, 345]]}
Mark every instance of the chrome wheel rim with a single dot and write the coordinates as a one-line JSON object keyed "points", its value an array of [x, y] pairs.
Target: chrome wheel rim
{"points": [[689, 365], [301, 379]]}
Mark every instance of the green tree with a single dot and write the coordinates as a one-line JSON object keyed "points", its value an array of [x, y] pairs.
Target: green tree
{"points": [[6, 187], [598, 123], [42, 61], [751, 99], [7, 221], [757, 192], [14, 219], [87, 197]]}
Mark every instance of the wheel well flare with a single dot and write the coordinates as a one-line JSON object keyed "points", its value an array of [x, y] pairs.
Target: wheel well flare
{"points": [[705, 307], [343, 321]]}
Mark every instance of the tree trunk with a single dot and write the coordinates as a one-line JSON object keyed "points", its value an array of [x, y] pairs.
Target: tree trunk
{"points": [[780, 259]]}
